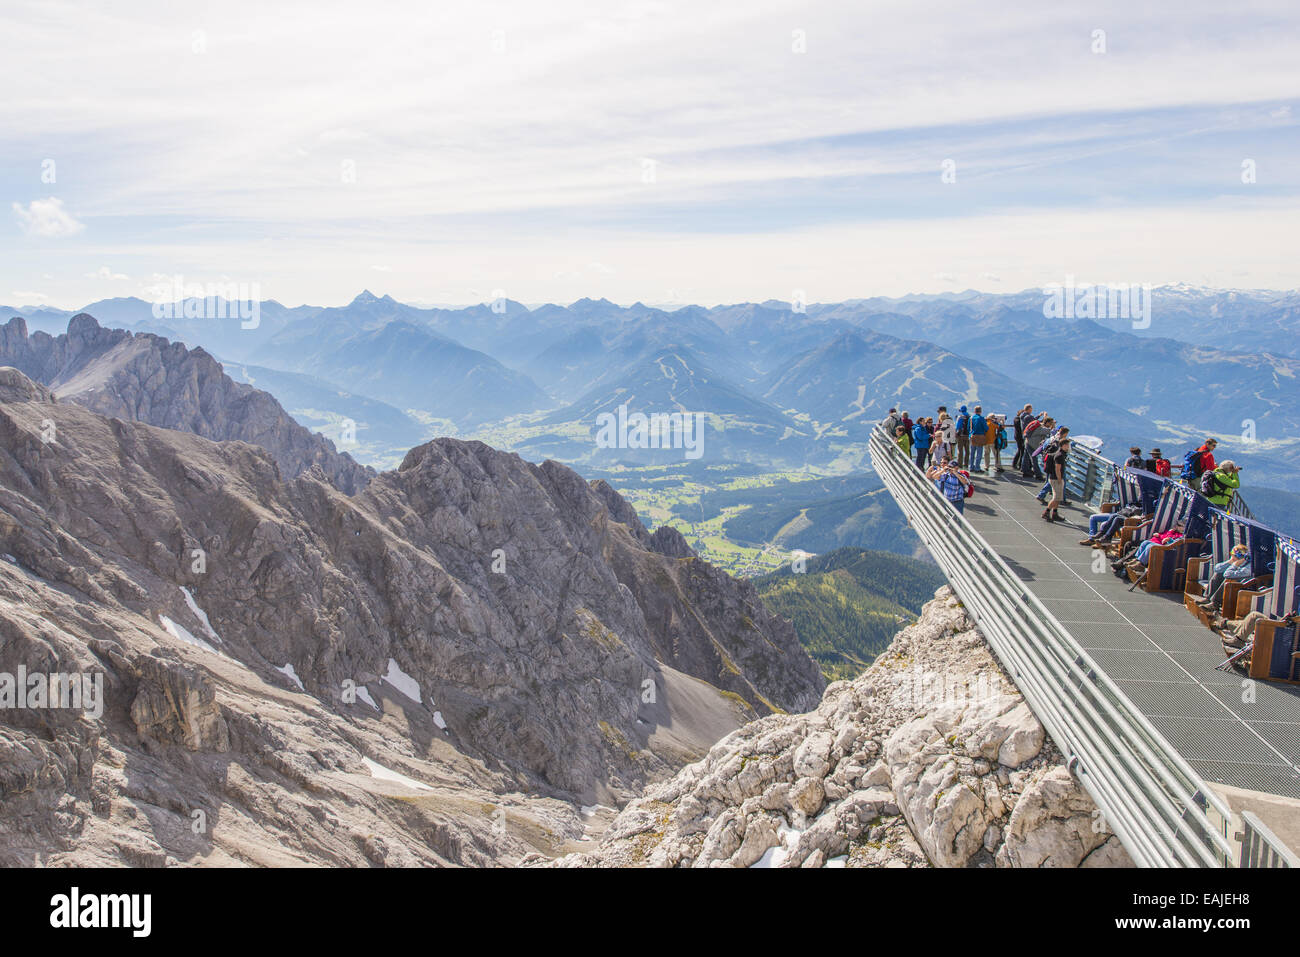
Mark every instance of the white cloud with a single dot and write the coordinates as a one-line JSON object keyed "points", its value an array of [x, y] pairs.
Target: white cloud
{"points": [[47, 218], [103, 272], [25, 296]]}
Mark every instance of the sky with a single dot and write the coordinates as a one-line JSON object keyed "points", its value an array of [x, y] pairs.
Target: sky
{"points": [[661, 152]]}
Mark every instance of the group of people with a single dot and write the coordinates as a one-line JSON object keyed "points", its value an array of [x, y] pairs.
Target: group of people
{"points": [[1216, 481], [971, 440], [950, 449]]}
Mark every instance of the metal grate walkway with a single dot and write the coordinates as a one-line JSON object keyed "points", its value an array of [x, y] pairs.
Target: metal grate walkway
{"points": [[1159, 655]]}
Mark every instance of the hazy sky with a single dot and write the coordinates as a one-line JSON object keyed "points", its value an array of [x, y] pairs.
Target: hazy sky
{"points": [[660, 151]]}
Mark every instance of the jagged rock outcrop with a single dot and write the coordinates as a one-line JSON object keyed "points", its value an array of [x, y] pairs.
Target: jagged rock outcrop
{"points": [[146, 378], [493, 641], [930, 757]]}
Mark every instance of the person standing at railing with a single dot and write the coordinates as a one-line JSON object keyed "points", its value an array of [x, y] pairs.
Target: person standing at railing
{"points": [[1018, 426], [1157, 463], [945, 439], [1036, 430], [1050, 445], [962, 426], [904, 440], [920, 444], [1219, 485], [979, 434], [891, 422], [1135, 459], [997, 440], [1055, 465]]}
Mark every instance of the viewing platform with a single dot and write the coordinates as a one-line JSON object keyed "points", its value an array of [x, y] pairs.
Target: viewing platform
{"points": [[1232, 730], [1191, 762]]}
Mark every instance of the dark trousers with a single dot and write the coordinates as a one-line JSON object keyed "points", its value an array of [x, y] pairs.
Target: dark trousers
{"points": [[921, 455], [1214, 590], [1020, 451]]}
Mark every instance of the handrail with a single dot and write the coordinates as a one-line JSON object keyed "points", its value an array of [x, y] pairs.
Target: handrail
{"points": [[1089, 477], [1152, 800], [1260, 847]]}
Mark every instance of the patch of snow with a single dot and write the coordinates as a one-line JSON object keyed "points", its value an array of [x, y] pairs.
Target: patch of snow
{"points": [[200, 614], [364, 695], [184, 634], [775, 855], [403, 682], [10, 559], [388, 774], [437, 719], [589, 810], [841, 861], [292, 675]]}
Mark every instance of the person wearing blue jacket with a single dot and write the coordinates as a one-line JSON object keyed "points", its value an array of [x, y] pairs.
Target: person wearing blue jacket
{"points": [[979, 430], [921, 443]]}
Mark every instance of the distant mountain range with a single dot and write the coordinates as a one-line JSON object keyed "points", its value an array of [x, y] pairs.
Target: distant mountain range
{"points": [[781, 386], [143, 377]]}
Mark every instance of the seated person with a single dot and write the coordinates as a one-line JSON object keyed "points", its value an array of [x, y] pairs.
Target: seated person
{"points": [[1138, 560], [1103, 526], [1236, 568]]}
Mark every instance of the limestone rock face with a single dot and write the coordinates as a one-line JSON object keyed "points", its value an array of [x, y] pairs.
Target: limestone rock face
{"points": [[441, 668], [179, 704], [146, 378], [930, 757]]}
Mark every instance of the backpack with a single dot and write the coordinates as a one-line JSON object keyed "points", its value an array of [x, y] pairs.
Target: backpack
{"points": [[963, 425], [1209, 484], [970, 487], [1161, 467], [1191, 464], [1000, 440]]}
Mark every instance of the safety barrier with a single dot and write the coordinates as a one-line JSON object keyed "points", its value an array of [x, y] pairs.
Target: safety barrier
{"points": [[1162, 812], [1088, 476], [1260, 847]]}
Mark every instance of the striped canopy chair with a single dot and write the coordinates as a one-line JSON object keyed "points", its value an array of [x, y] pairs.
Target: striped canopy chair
{"points": [[1166, 564], [1276, 655], [1226, 532], [1135, 487]]}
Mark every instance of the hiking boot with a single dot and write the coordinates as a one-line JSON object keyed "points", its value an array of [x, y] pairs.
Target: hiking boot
{"points": [[1086, 541]]}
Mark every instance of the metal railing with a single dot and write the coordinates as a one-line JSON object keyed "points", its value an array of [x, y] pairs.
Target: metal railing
{"points": [[1088, 477], [1260, 847], [1162, 812]]}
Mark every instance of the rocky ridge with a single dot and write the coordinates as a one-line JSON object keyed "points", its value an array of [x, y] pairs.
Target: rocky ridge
{"points": [[438, 669], [145, 378], [931, 757]]}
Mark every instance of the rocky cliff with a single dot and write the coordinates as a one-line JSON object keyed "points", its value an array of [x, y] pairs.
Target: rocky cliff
{"points": [[438, 669], [146, 378], [929, 758]]}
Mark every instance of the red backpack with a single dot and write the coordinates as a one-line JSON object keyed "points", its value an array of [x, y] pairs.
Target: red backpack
{"points": [[970, 487]]}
